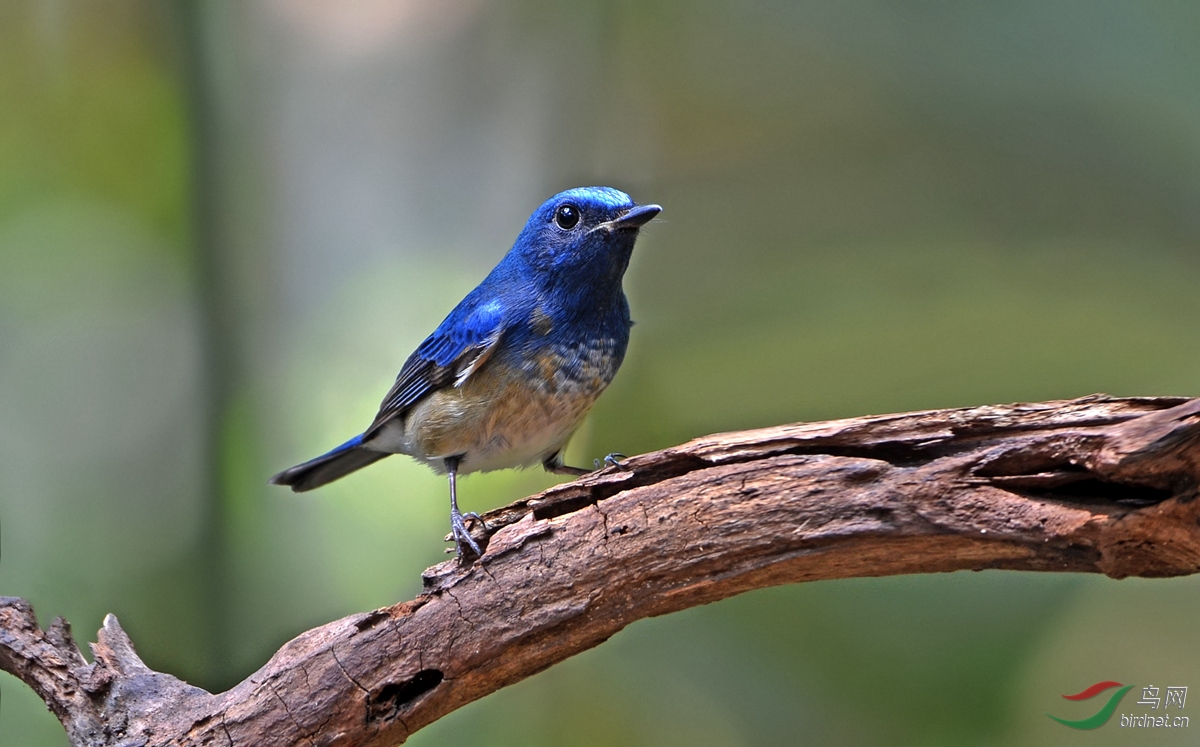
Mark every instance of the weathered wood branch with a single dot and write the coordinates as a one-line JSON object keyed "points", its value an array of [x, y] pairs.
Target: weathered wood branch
{"points": [[1092, 485]]}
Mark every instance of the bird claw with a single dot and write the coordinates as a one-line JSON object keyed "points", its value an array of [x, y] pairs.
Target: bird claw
{"points": [[472, 516], [458, 527], [612, 460]]}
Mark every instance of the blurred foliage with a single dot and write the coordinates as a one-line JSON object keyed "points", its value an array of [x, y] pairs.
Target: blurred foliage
{"points": [[869, 207], [94, 110]]}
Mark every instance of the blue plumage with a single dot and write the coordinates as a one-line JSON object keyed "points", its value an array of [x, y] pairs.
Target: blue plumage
{"points": [[511, 372]]}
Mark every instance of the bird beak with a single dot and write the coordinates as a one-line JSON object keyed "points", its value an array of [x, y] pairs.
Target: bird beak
{"points": [[635, 217]]}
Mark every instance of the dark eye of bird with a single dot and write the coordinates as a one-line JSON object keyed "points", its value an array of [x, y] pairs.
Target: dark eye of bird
{"points": [[567, 217]]}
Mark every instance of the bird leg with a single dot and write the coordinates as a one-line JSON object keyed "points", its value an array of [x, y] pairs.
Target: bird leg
{"points": [[554, 464], [458, 525]]}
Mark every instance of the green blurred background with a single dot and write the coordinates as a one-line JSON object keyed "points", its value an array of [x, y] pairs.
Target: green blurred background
{"points": [[223, 226]]}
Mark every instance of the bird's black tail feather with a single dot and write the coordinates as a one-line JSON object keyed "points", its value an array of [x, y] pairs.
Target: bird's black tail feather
{"points": [[340, 462]]}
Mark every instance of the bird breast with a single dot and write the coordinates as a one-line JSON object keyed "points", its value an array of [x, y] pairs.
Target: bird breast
{"points": [[518, 409]]}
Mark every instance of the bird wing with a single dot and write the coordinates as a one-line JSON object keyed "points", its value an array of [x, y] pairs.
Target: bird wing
{"points": [[448, 357]]}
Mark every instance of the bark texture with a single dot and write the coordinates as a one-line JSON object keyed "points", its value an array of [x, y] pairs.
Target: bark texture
{"points": [[1092, 485]]}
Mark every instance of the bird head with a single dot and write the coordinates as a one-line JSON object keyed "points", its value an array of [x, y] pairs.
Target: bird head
{"points": [[583, 237]]}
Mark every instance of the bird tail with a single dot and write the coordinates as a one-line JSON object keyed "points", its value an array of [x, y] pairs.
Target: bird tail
{"points": [[328, 467]]}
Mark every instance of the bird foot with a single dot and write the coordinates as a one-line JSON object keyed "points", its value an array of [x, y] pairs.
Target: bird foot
{"points": [[458, 527], [612, 460]]}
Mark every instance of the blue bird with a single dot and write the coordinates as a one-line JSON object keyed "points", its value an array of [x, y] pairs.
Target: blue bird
{"points": [[508, 376]]}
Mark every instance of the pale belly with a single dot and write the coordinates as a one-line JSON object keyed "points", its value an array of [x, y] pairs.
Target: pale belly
{"points": [[507, 414]]}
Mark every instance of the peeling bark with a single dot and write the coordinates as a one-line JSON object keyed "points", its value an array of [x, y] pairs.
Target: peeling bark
{"points": [[1096, 485]]}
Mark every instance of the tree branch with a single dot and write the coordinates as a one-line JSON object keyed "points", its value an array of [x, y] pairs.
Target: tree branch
{"points": [[1092, 485]]}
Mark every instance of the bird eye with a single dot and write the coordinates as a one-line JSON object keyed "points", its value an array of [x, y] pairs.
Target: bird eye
{"points": [[567, 216]]}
